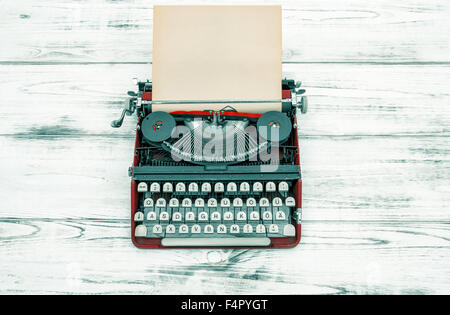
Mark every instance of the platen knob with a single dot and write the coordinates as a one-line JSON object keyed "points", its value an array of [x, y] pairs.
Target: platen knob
{"points": [[304, 105]]}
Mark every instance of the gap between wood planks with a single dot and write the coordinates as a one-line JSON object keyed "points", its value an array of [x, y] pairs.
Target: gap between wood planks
{"points": [[356, 62]]}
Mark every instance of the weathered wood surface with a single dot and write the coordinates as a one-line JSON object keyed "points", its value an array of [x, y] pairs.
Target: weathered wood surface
{"points": [[346, 99], [345, 178], [95, 256], [375, 154], [324, 30]]}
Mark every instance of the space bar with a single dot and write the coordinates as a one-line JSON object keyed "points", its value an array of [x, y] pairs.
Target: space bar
{"points": [[226, 241]]}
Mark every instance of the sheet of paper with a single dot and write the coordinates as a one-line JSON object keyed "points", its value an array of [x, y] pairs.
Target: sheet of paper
{"points": [[217, 53]]}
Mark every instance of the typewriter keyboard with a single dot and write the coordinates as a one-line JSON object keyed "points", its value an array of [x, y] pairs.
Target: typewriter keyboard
{"points": [[215, 214]]}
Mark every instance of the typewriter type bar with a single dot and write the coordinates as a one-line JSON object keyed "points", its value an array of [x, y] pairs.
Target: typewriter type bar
{"points": [[233, 199]]}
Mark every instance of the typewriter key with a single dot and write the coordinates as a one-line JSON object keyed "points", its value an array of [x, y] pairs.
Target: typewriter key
{"points": [[140, 231], [138, 217], [254, 216], [158, 126], [283, 187], [167, 188], [260, 228], [215, 216], [199, 203], [221, 228], [184, 229], [174, 203], [248, 228], [274, 126]]}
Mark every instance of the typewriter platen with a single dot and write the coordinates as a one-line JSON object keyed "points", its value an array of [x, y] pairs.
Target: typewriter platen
{"points": [[216, 178]]}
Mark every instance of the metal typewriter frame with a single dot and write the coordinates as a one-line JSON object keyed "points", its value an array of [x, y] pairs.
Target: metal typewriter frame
{"points": [[292, 100]]}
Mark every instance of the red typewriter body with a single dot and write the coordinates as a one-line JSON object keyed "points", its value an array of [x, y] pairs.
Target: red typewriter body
{"points": [[144, 96]]}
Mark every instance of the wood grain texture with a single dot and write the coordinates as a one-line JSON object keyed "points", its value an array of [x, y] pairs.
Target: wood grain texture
{"points": [[347, 99], [95, 256], [375, 154], [345, 178], [314, 31]]}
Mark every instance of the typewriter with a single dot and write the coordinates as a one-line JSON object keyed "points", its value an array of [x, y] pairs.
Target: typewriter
{"points": [[216, 178]]}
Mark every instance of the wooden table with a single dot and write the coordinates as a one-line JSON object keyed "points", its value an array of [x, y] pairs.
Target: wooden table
{"points": [[375, 153]]}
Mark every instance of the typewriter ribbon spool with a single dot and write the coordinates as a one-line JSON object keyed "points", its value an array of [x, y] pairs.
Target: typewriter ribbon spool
{"points": [[274, 120], [158, 126]]}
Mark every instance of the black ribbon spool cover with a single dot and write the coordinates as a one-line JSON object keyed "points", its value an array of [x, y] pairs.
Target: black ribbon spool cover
{"points": [[158, 126], [270, 121]]}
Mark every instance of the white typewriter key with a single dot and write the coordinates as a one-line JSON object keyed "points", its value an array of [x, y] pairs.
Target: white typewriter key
{"points": [[215, 216], [161, 202], [237, 202], [184, 229], [177, 217], [203, 216], [283, 186], [170, 229], [264, 202], [193, 188], [273, 228], [228, 216], [167, 187], [151, 216], [180, 187], [142, 187], [174, 203], [154, 187], [241, 216], [186, 203], [234, 229], [190, 216], [271, 187], [267, 215], [231, 187], [277, 202], [199, 202], [251, 202], [206, 187], [254, 215], [221, 228], [280, 215], [260, 228], [140, 231], [164, 216], [138, 217], [212, 202], [157, 228], [196, 229], [248, 228], [290, 202], [289, 230], [244, 187], [219, 187], [209, 229], [148, 203], [257, 187], [225, 202]]}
